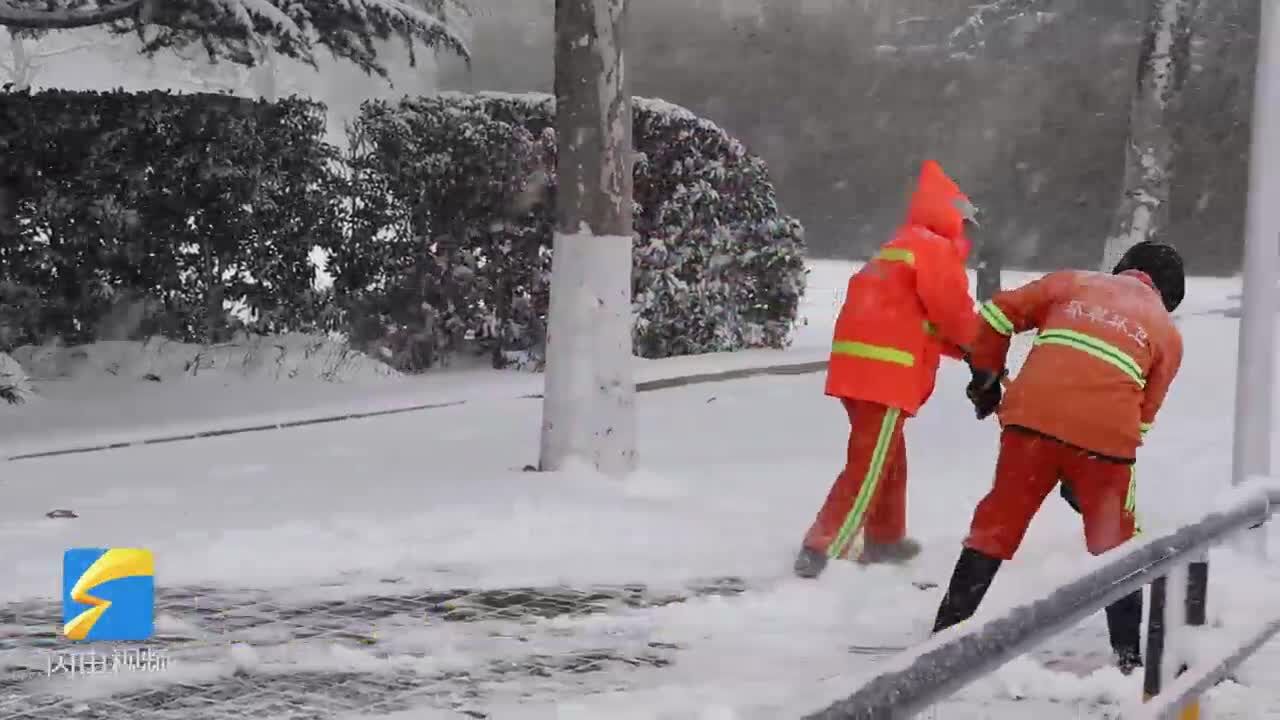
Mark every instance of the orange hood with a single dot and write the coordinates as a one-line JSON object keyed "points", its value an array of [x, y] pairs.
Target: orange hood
{"points": [[935, 205]]}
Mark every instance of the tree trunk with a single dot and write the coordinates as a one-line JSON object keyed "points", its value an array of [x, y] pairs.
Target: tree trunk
{"points": [[589, 402], [213, 295], [9, 233], [989, 268], [1163, 65]]}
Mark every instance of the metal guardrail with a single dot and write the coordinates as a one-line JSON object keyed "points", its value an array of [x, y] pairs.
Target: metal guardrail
{"points": [[957, 657], [1168, 705]]}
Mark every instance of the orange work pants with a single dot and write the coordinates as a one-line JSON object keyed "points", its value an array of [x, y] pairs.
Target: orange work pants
{"points": [[1028, 469], [872, 488]]}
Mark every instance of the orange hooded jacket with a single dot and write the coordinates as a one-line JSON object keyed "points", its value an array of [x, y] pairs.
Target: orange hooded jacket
{"points": [[908, 306], [1104, 357]]}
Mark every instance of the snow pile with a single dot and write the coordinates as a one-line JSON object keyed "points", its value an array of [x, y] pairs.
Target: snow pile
{"points": [[1024, 677], [442, 503], [280, 357], [15, 386]]}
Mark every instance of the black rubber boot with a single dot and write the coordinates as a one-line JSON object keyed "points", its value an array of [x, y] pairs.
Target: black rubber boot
{"points": [[810, 563], [969, 584], [1124, 625]]}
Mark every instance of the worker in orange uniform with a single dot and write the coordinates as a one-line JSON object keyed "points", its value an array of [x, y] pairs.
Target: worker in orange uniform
{"points": [[902, 311], [1106, 353]]}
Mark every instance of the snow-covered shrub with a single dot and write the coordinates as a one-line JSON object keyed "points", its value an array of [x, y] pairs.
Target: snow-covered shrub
{"points": [[718, 266], [452, 215], [126, 216], [451, 220], [177, 206], [436, 260]]}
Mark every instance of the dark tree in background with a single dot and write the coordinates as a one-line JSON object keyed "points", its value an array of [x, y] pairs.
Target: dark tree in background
{"points": [[1028, 108], [1164, 63], [990, 262]]}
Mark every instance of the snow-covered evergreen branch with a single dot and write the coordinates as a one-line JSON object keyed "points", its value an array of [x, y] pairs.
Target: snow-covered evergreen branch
{"points": [[237, 30], [64, 16]]}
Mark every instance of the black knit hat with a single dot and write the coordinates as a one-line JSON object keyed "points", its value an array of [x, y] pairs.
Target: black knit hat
{"points": [[1162, 264]]}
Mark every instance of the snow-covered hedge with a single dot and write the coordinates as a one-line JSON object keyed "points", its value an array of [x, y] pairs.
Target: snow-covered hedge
{"points": [[164, 208], [127, 216], [451, 220]]}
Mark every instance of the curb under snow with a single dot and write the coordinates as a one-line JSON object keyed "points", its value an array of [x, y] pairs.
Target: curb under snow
{"points": [[650, 375]]}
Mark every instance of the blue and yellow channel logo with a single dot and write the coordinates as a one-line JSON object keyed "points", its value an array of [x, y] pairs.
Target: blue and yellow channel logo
{"points": [[108, 594]]}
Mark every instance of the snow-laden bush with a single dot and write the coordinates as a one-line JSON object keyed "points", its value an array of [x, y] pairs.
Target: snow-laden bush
{"points": [[177, 206], [451, 223], [127, 216]]}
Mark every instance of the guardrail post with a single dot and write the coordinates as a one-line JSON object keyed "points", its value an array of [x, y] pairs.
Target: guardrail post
{"points": [[1151, 681], [1162, 664], [1197, 612]]}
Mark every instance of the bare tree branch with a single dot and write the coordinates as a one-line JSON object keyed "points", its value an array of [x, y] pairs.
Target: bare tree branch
{"points": [[65, 18]]}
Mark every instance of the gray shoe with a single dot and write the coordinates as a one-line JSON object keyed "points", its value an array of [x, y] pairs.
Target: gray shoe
{"points": [[890, 553], [810, 563]]}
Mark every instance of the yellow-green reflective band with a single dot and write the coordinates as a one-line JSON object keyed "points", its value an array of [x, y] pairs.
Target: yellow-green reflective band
{"points": [[897, 255], [996, 318], [853, 521], [1131, 500], [930, 328], [873, 352], [1144, 428], [1104, 351]]}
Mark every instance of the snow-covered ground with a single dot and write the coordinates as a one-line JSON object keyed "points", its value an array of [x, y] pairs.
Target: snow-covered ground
{"points": [[345, 514]]}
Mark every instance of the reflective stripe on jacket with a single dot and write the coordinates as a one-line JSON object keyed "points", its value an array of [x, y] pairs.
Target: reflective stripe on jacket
{"points": [[1101, 364]]}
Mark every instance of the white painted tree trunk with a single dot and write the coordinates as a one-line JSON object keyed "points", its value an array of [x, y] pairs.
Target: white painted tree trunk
{"points": [[20, 74], [1163, 64], [588, 406]]}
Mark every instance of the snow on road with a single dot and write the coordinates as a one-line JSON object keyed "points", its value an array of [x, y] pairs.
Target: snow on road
{"points": [[359, 511]]}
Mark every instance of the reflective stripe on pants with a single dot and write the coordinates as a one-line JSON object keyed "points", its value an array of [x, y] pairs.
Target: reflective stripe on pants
{"points": [[871, 490]]}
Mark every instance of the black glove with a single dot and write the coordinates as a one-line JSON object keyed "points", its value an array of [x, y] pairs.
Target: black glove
{"points": [[984, 392]]}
